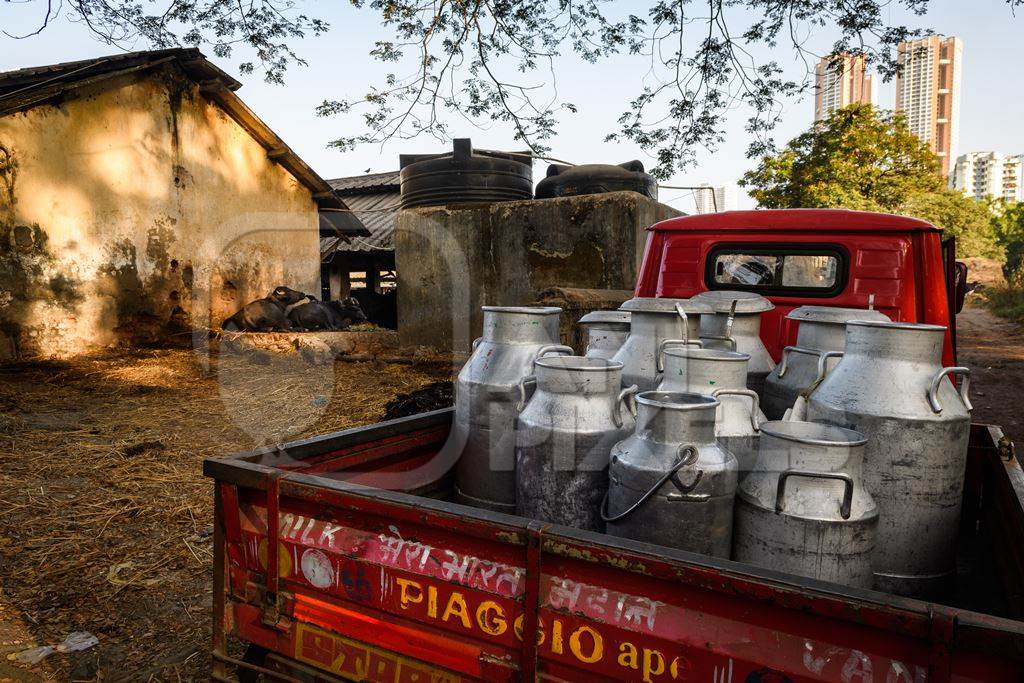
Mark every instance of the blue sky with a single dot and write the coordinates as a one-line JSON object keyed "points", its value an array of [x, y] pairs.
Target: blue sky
{"points": [[338, 66]]}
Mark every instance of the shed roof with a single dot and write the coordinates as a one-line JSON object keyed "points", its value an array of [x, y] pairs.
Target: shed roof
{"points": [[23, 89], [374, 198]]}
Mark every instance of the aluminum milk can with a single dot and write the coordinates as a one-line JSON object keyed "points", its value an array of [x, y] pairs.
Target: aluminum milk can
{"points": [[890, 385], [736, 326], [606, 332], [564, 436], [804, 509], [654, 325], [722, 374], [671, 482], [820, 341], [486, 394]]}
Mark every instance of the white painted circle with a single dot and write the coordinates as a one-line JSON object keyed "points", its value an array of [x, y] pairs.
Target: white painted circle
{"points": [[317, 568]]}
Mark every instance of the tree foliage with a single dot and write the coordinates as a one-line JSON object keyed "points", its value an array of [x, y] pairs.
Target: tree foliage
{"points": [[1008, 224], [865, 158], [265, 29], [860, 157], [968, 220], [496, 61]]}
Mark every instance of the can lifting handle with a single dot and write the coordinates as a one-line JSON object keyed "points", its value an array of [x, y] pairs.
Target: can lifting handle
{"points": [[665, 343], [627, 398], [784, 363], [553, 348], [965, 387], [847, 502], [476, 342], [718, 337], [730, 320], [521, 403], [687, 456], [755, 402]]}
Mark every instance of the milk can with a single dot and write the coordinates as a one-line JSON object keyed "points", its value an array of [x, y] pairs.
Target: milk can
{"points": [[654, 325], [564, 436], [805, 509], [722, 374], [820, 340], [736, 326], [486, 394], [671, 482], [890, 385], [606, 332]]}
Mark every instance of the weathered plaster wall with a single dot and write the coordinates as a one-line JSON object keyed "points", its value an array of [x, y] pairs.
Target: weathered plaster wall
{"points": [[451, 261], [135, 202]]}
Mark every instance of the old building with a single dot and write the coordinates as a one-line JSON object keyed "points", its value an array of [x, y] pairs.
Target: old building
{"points": [[139, 194], [364, 267]]}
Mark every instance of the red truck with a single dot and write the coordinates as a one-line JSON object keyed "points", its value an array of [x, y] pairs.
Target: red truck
{"points": [[373, 575]]}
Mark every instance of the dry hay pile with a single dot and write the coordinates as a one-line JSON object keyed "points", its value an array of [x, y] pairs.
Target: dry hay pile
{"points": [[107, 518]]}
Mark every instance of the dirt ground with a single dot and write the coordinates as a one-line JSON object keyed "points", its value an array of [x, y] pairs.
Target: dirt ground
{"points": [[106, 518], [993, 349]]}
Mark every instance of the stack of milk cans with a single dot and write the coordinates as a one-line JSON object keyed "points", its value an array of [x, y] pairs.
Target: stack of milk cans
{"points": [[844, 462]]}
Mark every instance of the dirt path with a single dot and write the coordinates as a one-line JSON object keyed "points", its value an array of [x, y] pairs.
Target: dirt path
{"points": [[993, 349]]}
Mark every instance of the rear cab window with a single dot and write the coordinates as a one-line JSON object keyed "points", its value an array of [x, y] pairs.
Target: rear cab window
{"points": [[808, 270]]}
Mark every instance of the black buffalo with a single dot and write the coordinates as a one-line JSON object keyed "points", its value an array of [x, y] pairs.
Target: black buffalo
{"points": [[348, 311], [312, 314], [268, 314]]}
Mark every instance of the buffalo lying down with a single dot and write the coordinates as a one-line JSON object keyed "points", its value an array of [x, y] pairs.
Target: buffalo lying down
{"points": [[286, 309], [311, 314]]}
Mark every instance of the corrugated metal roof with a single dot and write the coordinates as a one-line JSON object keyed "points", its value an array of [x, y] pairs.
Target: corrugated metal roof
{"points": [[371, 181], [374, 199]]}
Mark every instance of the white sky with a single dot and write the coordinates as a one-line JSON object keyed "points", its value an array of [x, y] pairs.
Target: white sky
{"points": [[991, 106]]}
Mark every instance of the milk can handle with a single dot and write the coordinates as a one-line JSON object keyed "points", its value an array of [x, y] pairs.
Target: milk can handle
{"points": [[553, 348], [965, 387], [755, 402], [521, 403], [665, 343], [783, 366], [724, 338], [844, 506], [476, 342], [627, 398], [687, 456]]}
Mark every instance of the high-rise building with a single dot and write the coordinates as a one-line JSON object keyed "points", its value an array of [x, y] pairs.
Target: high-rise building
{"points": [[989, 174], [714, 199], [928, 92], [839, 82]]}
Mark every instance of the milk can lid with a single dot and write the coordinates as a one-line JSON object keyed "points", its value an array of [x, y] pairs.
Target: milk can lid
{"points": [[746, 302], [606, 317], [645, 304], [834, 314]]}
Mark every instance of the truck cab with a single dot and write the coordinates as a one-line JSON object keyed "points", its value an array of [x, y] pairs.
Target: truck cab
{"points": [[794, 257]]}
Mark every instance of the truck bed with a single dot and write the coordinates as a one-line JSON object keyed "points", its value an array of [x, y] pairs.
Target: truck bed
{"points": [[373, 584]]}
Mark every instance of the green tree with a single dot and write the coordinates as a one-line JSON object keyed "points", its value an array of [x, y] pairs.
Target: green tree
{"points": [[865, 158], [860, 157], [959, 216], [1008, 225]]}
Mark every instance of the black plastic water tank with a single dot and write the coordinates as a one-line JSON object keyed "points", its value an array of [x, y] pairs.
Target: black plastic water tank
{"points": [[566, 181], [464, 176]]}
